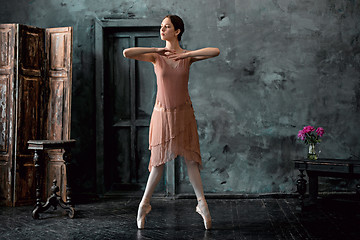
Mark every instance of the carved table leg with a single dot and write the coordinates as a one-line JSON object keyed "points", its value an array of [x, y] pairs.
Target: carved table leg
{"points": [[53, 199], [69, 203], [301, 189], [35, 213]]}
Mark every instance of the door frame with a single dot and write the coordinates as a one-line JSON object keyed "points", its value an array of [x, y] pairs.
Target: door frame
{"points": [[100, 26]]}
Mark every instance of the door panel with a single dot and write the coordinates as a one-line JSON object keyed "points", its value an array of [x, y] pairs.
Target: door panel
{"points": [[120, 80], [57, 100], [145, 81], [118, 161], [58, 84], [4, 111], [129, 96], [7, 110], [29, 114]]}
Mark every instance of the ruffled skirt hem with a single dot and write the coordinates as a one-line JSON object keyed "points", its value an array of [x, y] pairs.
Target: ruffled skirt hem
{"points": [[173, 133], [188, 156]]}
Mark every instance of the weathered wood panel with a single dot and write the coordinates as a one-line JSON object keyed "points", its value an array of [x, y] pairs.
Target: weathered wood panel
{"points": [[58, 99], [7, 110], [59, 55], [4, 111], [29, 108]]}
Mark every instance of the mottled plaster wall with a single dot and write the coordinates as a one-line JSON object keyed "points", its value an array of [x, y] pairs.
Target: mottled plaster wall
{"points": [[283, 65]]}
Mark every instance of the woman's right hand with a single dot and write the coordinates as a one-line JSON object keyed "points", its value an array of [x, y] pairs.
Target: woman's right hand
{"points": [[164, 51]]}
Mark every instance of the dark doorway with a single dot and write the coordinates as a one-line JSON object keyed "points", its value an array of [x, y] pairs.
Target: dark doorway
{"points": [[129, 92]]}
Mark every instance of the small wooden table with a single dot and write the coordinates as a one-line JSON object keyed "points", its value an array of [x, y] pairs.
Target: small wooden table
{"points": [[38, 146], [341, 168]]}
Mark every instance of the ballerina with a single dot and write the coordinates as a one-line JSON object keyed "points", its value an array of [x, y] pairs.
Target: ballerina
{"points": [[173, 129]]}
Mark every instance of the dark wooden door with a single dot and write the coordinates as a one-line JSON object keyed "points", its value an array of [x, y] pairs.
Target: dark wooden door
{"points": [[129, 96]]}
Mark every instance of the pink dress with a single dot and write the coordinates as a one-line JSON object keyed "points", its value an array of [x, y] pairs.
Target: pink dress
{"points": [[173, 129]]}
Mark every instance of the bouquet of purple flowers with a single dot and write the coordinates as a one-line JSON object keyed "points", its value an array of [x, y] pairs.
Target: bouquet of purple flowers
{"points": [[310, 136]]}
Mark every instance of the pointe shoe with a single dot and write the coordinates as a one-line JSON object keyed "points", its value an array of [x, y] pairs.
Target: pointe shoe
{"points": [[207, 221], [145, 208]]}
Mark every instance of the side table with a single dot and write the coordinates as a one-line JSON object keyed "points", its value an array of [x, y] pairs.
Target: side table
{"points": [[39, 146], [340, 168]]}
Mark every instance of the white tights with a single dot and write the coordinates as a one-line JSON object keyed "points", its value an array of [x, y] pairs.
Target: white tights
{"points": [[153, 180], [195, 180]]}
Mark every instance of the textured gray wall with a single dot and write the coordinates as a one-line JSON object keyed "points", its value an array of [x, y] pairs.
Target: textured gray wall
{"points": [[283, 65]]}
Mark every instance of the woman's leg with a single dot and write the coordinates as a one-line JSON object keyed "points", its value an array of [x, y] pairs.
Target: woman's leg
{"points": [[144, 206], [195, 180], [153, 180]]}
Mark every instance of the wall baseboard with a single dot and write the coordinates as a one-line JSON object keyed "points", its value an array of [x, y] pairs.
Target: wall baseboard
{"points": [[90, 197]]}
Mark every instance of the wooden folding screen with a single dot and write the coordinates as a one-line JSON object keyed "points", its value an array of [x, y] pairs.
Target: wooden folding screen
{"points": [[35, 97]]}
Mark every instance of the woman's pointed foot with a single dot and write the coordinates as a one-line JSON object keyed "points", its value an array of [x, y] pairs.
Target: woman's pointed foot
{"points": [[203, 210], [144, 209]]}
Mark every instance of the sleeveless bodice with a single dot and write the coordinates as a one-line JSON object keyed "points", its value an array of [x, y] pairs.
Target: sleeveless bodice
{"points": [[172, 81]]}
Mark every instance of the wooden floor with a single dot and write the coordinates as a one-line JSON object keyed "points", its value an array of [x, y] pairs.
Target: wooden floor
{"points": [[176, 219]]}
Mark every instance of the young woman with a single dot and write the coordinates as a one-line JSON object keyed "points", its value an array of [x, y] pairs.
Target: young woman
{"points": [[173, 130]]}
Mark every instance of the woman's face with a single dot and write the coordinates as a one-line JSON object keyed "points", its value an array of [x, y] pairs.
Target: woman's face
{"points": [[167, 30]]}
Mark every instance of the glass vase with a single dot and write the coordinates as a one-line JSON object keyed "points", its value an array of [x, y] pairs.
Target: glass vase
{"points": [[312, 153]]}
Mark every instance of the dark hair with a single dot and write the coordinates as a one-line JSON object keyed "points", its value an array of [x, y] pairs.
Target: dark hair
{"points": [[178, 24]]}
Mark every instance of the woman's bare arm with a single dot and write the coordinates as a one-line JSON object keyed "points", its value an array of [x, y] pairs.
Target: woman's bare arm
{"points": [[197, 55], [144, 54]]}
